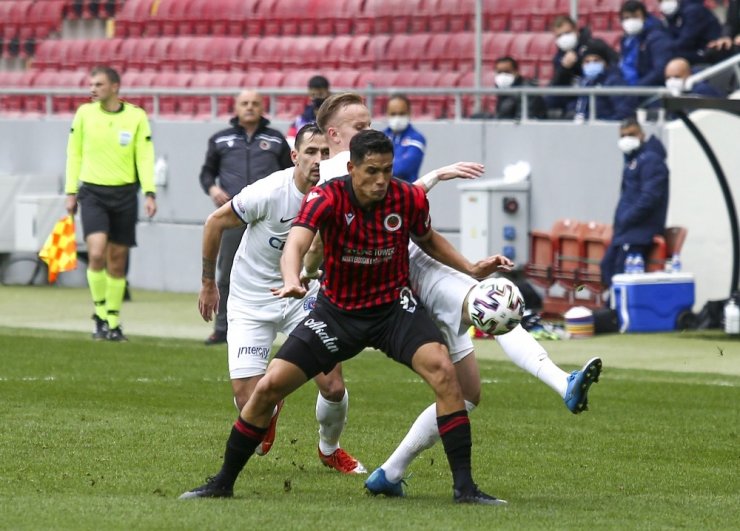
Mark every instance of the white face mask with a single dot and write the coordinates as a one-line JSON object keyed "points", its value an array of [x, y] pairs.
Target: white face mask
{"points": [[398, 123], [504, 79], [669, 7], [632, 26], [567, 41], [675, 85], [627, 144]]}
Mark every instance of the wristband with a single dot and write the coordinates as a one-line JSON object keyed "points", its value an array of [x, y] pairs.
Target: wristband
{"points": [[306, 274], [429, 180]]}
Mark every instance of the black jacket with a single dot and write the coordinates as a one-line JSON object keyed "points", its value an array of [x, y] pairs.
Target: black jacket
{"points": [[508, 107], [235, 161]]}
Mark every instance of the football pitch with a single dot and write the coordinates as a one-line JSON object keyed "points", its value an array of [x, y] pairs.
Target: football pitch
{"points": [[106, 436]]}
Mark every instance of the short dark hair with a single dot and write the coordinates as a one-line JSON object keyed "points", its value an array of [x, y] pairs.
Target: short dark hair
{"points": [[562, 19], [630, 121], [630, 6], [318, 82], [332, 104], [400, 96], [368, 141], [508, 59], [109, 72], [308, 130]]}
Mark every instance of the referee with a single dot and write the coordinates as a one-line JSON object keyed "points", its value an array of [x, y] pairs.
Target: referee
{"points": [[109, 157]]}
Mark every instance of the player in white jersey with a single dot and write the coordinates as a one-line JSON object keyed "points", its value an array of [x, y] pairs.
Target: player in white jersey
{"points": [[254, 314], [444, 293]]}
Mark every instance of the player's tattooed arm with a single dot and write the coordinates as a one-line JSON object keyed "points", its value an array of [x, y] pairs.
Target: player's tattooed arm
{"points": [[209, 269]]}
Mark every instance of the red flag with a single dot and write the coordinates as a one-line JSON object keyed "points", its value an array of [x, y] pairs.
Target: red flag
{"points": [[60, 250]]}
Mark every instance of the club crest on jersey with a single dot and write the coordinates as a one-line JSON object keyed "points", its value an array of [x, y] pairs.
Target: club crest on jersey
{"points": [[392, 222], [311, 196], [349, 216], [309, 304], [265, 145]]}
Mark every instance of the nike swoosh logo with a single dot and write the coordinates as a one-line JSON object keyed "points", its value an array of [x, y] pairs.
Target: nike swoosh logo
{"points": [[287, 220]]}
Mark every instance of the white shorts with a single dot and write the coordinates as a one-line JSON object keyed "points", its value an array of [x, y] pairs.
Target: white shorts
{"points": [[254, 327], [442, 290]]}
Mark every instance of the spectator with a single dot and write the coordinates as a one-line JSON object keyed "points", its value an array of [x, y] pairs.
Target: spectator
{"points": [[508, 107], [677, 71], [599, 72], [645, 46], [408, 143], [691, 26], [571, 44], [238, 156], [730, 30], [643, 201], [318, 91], [109, 157]]}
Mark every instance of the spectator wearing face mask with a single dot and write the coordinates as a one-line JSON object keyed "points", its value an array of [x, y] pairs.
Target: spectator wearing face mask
{"points": [[597, 71], [645, 46], [571, 44], [508, 107], [691, 27], [318, 91], [643, 200], [677, 72], [408, 143]]}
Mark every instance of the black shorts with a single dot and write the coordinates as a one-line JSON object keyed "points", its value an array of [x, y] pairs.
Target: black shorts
{"points": [[113, 210], [330, 335]]}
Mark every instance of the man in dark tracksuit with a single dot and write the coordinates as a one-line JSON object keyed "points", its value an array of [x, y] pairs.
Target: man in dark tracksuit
{"points": [[643, 201], [238, 156], [691, 27]]}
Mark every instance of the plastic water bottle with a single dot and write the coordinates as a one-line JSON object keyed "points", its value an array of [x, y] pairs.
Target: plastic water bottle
{"points": [[629, 264], [639, 263], [732, 317], [676, 263]]}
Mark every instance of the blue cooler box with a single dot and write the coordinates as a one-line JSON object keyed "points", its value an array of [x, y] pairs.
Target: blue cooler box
{"points": [[651, 302]]}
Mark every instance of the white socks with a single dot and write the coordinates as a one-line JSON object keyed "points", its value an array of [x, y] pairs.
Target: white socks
{"points": [[422, 435], [332, 417], [528, 354]]}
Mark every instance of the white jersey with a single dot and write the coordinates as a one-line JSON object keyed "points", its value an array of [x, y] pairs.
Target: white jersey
{"points": [[334, 167], [268, 206]]}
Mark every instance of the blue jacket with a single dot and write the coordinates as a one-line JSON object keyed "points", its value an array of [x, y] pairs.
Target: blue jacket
{"points": [[691, 28], [643, 202], [645, 55], [607, 107], [408, 152]]}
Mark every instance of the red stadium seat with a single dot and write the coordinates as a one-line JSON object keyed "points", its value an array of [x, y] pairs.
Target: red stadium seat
{"points": [[216, 53], [458, 53], [519, 48], [229, 17], [307, 52], [45, 18], [100, 52], [451, 16], [542, 47], [270, 52], [262, 10], [374, 52], [404, 51], [131, 21], [335, 17], [496, 45], [16, 23], [12, 104], [337, 49], [359, 51], [342, 79], [433, 51], [287, 16], [245, 54], [158, 53], [496, 14], [487, 81], [168, 104]]}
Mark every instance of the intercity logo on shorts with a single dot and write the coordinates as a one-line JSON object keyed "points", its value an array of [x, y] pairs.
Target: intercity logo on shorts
{"points": [[257, 352], [309, 304], [318, 327]]}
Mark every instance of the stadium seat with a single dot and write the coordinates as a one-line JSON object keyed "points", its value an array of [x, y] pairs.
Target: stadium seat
{"points": [[261, 11], [495, 45], [374, 50], [228, 17], [307, 52], [101, 51], [342, 79], [270, 52], [169, 105], [596, 239], [567, 245], [170, 18], [215, 53], [287, 16], [132, 18], [12, 104], [432, 50], [539, 267], [449, 16], [488, 103], [337, 49], [458, 53], [372, 17], [244, 57], [16, 23], [496, 14], [45, 18], [404, 51], [520, 45], [351, 54]]}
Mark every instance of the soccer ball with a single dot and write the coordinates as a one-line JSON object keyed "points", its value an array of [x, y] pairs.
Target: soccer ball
{"points": [[495, 306]]}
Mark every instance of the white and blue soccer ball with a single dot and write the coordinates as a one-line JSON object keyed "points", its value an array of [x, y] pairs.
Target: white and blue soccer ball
{"points": [[495, 306]]}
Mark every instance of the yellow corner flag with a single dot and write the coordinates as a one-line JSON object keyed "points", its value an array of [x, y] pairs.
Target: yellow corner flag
{"points": [[60, 250]]}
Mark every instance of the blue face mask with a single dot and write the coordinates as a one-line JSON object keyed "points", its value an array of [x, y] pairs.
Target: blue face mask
{"points": [[593, 69]]}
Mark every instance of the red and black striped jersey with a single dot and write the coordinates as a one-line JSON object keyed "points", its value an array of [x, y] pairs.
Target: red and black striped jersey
{"points": [[366, 258]]}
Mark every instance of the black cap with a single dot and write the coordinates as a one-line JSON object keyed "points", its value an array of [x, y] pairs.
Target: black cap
{"points": [[597, 48]]}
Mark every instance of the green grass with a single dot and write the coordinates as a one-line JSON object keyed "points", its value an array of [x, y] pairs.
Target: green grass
{"points": [[106, 436]]}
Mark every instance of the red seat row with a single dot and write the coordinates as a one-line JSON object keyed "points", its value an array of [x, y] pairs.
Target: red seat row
{"points": [[26, 19], [342, 17], [423, 51]]}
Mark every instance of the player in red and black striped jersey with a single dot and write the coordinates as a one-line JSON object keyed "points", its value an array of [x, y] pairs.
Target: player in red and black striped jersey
{"points": [[366, 255], [376, 308]]}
